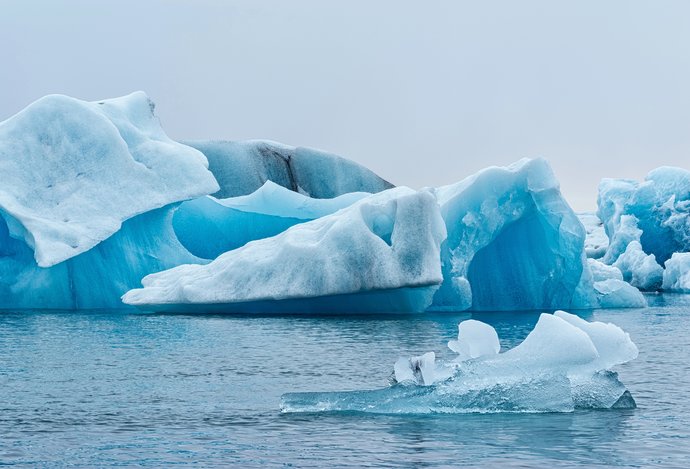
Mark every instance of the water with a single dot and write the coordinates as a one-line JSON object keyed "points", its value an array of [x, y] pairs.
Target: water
{"points": [[110, 388]]}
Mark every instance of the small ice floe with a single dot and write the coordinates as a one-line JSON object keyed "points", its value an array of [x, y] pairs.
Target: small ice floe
{"points": [[564, 364]]}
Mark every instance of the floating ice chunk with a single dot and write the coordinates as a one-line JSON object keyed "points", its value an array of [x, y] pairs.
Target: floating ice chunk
{"points": [[596, 241], [513, 242], [383, 249], [613, 345], [73, 171], [475, 339], [611, 290], [562, 365], [243, 167], [677, 273], [640, 269], [554, 345], [614, 293], [208, 227]]}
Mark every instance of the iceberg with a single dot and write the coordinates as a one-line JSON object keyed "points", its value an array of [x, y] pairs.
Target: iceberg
{"points": [[660, 204], [639, 269], [86, 204], [612, 291], [208, 227], [73, 171], [243, 167], [677, 273], [596, 241], [511, 231], [381, 254], [564, 364]]}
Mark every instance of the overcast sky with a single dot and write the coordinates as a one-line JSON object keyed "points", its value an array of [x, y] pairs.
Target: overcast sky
{"points": [[422, 92]]}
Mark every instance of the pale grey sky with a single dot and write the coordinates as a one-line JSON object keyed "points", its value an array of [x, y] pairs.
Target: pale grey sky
{"points": [[422, 92]]}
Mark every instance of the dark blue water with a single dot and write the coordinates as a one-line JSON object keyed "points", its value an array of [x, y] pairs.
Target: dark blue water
{"points": [[95, 389]]}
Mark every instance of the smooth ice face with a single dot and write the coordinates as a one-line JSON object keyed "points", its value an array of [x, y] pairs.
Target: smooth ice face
{"points": [[562, 365], [475, 339], [677, 273], [243, 167], [95, 279], [513, 242], [73, 171], [661, 204], [208, 227], [613, 345], [387, 242]]}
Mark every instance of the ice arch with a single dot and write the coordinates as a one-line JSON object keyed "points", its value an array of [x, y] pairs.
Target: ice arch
{"points": [[513, 242]]}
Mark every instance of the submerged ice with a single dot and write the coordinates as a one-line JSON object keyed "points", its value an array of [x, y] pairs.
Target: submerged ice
{"points": [[562, 365]]}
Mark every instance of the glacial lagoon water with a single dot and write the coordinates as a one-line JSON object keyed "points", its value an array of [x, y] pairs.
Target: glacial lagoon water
{"points": [[90, 389]]}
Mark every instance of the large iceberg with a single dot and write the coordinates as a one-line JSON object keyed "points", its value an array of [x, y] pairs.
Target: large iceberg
{"points": [[86, 201], [243, 167], [73, 171], [513, 243], [208, 227], [381, 254], [564, 364], [660, 205]]}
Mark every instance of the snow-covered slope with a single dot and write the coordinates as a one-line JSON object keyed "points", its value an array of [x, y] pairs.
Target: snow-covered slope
{"points": [[73, 171]]}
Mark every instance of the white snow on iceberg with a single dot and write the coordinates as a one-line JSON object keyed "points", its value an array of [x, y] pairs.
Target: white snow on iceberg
{"points": [[73, 171], [383, 251], [596, 241], [563, 364]]}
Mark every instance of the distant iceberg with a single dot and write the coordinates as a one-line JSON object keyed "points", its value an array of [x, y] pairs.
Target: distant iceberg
{"points": [[660, 204], [648, 225], [564, 364], [596, 241]]}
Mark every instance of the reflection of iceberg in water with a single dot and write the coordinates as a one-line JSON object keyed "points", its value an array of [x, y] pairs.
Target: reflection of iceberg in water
{"points": [[563, 364]]}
